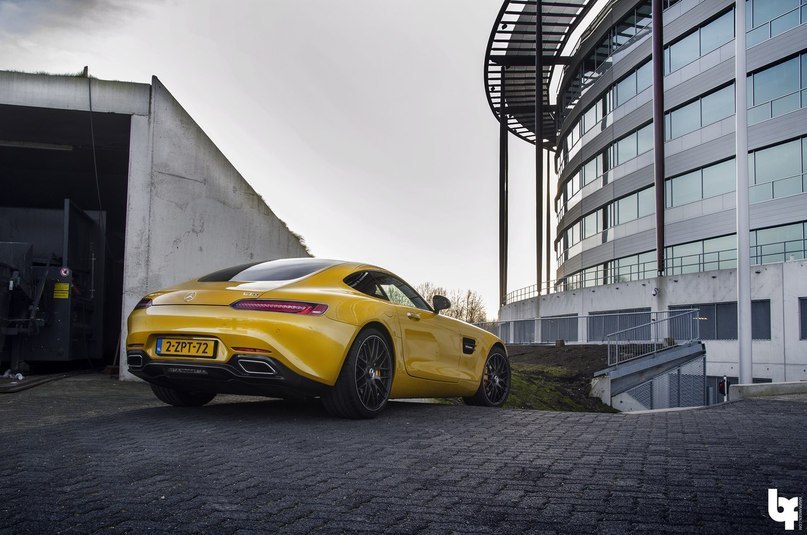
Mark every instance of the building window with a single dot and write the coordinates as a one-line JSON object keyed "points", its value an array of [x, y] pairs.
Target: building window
{"points": [[707, 182], [778, 171], [702, 255], [769, 18], [718, 321], [777, 90], [632, 145], [803, 318], [634, 206], [634, 24], [706, 110], [778, 244], [700, 42]]}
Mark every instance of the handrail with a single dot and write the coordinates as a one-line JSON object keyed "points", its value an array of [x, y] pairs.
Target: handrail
{"points": [[653, 337], [702, 262]]}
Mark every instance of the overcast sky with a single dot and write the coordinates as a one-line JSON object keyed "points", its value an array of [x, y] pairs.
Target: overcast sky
{"points": [[362, 123]]}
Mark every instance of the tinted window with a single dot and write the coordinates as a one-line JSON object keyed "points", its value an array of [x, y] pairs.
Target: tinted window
{"points": [[779, 161], [684, 52], [399, 292], [718, 179], [684, 120], [717, 33], [365, 283], [803, 317], [275, 270], [776, 81], [718, 321], [718, 105]]}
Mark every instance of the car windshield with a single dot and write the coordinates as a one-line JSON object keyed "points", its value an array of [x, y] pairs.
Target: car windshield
{"points": [[275, 270]]}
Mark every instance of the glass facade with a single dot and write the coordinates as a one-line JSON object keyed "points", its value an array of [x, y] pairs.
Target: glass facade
{"points": [[768, 18], [783, 243], [699, 42], [701, 112], [710, 181], [775, 171], [778, 89], [778, 171]]}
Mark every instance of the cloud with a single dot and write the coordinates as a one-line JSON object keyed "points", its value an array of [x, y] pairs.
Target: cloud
{"points": [[21, 18]]}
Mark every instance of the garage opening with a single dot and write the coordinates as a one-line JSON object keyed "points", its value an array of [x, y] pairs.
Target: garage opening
{"points": [[64, 177]]}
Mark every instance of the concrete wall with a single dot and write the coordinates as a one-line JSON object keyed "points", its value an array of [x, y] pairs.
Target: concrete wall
{"points": [[189, 210], [782, 358]]}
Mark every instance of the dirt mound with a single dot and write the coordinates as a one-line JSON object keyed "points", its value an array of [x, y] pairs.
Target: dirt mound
{"points": [[556, 378]]}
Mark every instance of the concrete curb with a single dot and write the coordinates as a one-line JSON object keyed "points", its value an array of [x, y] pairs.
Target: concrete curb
{"points": [[758, 390]]}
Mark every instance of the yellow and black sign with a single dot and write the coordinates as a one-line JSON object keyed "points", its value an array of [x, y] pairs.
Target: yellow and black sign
{"points": [[61, 290]]}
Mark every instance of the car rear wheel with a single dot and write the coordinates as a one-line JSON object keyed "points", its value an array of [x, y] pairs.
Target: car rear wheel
{"points": [[494, 387], [181, 398], [363, 386]]}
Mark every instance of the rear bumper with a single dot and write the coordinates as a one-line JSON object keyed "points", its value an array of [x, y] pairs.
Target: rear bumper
{"points": [[241, 375]]}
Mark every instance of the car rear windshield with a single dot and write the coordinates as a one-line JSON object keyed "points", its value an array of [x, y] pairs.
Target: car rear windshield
{"points": [[275, 270]]}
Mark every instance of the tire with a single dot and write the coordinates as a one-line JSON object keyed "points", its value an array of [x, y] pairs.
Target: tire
{"points": [[494, 386], [180, 398], [363, 386]]}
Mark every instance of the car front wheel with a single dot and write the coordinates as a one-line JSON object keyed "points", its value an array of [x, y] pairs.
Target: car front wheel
{"points": [[494, 386], [363, 386]]}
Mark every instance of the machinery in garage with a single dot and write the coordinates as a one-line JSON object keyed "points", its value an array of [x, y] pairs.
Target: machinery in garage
{"points": [[51, 285]]}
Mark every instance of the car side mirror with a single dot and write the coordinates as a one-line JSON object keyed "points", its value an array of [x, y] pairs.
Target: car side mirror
{"points": [[440, 303]]}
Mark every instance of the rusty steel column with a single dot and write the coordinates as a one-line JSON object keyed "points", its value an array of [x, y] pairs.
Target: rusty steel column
{"points": [[502, 194], [658, 130], [547, 237], [539, 138]]}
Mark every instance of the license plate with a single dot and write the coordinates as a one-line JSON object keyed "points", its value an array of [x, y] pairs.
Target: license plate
{"points": [[184, 347]]}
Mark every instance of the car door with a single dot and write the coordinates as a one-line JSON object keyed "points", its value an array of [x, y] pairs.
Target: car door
{"points": [[431, 343]]}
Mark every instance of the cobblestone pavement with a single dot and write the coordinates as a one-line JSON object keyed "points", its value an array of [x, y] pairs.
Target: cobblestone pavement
{"points": [[88, 455]]}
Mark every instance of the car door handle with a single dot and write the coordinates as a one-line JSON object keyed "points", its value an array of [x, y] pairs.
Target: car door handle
{"points": [[413, 316]]}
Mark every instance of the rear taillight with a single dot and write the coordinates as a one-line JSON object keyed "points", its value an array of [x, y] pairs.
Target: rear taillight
{"points": [[288, 307], [143, 303]]}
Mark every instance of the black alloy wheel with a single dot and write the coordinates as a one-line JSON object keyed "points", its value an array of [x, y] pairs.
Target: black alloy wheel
{"points": [[494, 386], [364, 384]]}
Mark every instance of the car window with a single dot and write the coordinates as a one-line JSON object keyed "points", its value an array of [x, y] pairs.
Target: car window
{"points": [[399, 292], [364, 282], [276, 270]]}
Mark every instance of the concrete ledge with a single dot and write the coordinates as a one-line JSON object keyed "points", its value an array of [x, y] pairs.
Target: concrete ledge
{"points": [[758, 390]]}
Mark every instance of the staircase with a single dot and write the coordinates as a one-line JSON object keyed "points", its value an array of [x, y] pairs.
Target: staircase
{"points": [[658, 365]]}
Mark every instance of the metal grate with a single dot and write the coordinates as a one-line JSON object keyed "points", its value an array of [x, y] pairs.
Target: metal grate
{"points": [[684, 386]]}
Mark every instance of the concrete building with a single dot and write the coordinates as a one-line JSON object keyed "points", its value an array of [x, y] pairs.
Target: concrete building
{"points": [[645, 200], [171, 205]]}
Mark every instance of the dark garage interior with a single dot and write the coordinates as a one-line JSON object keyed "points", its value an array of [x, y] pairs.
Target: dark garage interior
{"points": [[62, 221]]}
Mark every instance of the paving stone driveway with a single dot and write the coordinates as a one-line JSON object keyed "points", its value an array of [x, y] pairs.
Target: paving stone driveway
{"points": [[88, 454]]}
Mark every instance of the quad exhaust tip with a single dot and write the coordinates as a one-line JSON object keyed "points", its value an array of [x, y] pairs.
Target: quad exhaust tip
{"points": [[256, 367]]}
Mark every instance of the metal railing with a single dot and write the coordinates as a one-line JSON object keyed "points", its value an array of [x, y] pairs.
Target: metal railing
{"points": [[765, 253], [574, 329], [662, 332]]}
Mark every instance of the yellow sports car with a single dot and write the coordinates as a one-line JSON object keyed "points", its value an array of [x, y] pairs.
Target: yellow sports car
{"points": [[352, 334]]}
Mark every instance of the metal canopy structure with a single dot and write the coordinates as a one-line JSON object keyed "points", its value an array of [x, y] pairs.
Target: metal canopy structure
{"points": [[511, 52], [527, 39]]}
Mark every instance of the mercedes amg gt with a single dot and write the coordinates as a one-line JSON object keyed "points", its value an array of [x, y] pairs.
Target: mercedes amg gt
{"points": [[352, 334]]}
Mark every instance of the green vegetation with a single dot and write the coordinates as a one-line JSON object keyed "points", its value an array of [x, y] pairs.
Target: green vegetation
{"points": [[551, 388]]}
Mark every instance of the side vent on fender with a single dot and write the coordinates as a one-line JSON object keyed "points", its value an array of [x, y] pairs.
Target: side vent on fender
{"points": [[468, 345]]}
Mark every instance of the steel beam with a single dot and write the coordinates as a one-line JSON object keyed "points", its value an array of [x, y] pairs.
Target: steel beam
{"points": [[658, 129], [503, 164], [539, 142], [741, 193]]}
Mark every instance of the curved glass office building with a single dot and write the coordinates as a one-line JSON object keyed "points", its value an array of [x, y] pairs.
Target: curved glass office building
{"points": [[598, 100]]}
